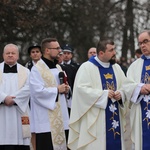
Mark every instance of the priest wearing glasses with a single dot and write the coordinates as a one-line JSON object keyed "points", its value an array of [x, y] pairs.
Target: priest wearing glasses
{"points": [[138, 94], [48, 99], [14, 99]]}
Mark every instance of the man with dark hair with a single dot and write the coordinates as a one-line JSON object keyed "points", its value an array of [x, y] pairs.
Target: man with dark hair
{"points": [[138, 53], [96, 120], [69, 65], [92, 52], [35, 55], [48, 99]]}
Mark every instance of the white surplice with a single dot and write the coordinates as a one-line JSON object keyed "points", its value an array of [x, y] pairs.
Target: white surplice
{"points": [[43, 99], [11, 132], [134, 74]]}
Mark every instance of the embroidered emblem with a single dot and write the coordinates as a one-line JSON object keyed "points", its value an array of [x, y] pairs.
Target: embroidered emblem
{"points": [[108, 76], [110, 86], [115, 123], [146, 78], [146, 99], [147, 67], [25, 120]]}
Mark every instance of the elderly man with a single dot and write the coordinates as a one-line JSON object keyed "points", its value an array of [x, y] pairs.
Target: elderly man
{"points": [[14, 99], [139, 95]]}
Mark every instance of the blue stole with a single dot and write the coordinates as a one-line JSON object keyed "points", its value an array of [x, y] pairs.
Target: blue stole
{"points": [[113, 134], [145, 105]]}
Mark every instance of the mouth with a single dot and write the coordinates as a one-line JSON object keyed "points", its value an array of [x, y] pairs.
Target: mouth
{"points": [[114, 57], [144, 50]]}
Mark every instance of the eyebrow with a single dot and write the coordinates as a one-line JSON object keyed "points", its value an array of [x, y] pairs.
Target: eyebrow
{"points": [[143, 40]]}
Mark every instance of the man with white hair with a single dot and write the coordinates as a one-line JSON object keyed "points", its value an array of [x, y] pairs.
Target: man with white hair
{"points": [[138, 93], [14, 99]]}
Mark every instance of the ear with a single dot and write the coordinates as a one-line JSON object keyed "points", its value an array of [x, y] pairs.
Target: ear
{"points": [[46, 50], [101, 52]]}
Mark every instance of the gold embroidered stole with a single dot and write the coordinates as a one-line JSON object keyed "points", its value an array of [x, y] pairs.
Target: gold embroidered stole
{"points": [[55, 116], [22, 77]]}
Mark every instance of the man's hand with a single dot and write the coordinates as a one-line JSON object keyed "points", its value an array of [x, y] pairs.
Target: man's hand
{"points": [[111, 94], [9, 100], [63, 88], [145, 89], [117, 95]]}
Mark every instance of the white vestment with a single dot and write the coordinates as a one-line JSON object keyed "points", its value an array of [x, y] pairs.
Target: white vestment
{"points": [[11, 132], [87, 120], [134, 74], [43, 99]]}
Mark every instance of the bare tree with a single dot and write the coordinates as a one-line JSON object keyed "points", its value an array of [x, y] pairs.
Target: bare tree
{"points": [[80, 23]]}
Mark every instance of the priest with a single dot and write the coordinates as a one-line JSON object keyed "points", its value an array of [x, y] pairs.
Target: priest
{"points": [[14, 99], [97, 114], [48, 99], [139, 95]]}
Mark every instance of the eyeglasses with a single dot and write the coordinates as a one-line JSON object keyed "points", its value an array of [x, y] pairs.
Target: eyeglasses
{"points": [[57, 48], [144, 42]]}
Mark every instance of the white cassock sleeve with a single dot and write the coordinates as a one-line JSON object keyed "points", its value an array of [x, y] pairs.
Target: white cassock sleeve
{"points": [[42, 95], [136, 93], [102, 102], [2, 96], [22, 96]]}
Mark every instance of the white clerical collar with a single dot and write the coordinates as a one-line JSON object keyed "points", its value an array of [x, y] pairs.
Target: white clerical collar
{"points": [[148, 57], [33, 63], [12, 65], [104, 64]]}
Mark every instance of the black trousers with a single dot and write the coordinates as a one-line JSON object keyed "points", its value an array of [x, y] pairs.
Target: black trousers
{"points": [[14, 147], [44, 140]]}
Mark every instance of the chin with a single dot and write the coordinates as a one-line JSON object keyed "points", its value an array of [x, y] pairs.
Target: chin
{"points": [[112, 61], [146, 54]]}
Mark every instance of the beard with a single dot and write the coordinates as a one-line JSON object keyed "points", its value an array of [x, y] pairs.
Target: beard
{"points": [[112, 60]]}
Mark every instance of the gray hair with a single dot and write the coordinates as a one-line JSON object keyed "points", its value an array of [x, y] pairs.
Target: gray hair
{"points": [[11, 45], [147, 31]]}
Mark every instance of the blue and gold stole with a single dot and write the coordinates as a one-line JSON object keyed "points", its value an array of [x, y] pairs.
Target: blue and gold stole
{"points": [[145, 105], [113, 134]]}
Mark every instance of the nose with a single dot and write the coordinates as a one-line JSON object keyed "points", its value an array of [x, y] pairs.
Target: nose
{"points": [[59, 50], [142, 45], [10, 54]]}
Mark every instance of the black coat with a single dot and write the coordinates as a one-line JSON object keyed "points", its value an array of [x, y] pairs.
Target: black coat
{"points": [[71, 70]]}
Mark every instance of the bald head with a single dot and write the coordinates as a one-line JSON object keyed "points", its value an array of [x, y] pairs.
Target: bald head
{"points": [[92, 52]]}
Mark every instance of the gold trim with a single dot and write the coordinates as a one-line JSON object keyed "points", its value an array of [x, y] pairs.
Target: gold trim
{"points": [[55, 116]]}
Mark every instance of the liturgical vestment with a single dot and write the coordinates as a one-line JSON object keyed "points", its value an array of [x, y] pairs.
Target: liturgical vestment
{"points": [[12, 131], [87, 121], [134, 73]]}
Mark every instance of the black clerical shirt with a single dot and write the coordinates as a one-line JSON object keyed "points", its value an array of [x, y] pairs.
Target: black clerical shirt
{"points": [[50, 63], [10, 69]]}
